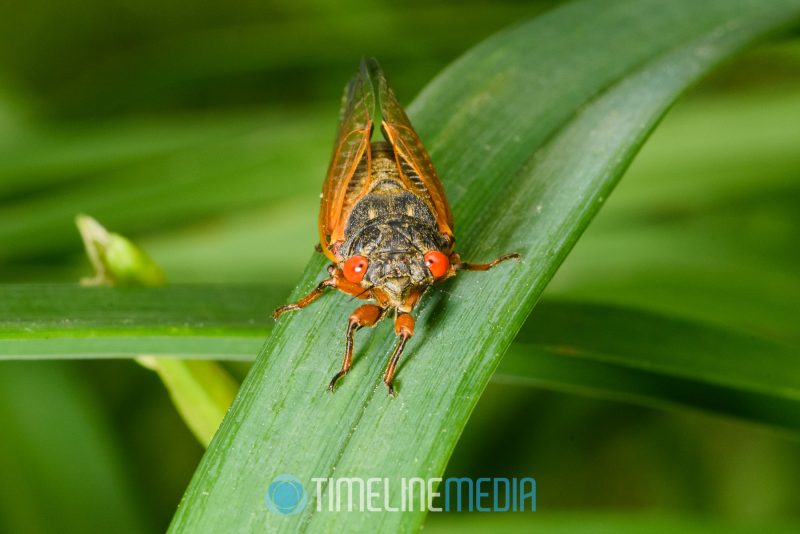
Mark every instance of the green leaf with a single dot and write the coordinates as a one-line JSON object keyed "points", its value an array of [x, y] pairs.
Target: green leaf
{"points": [[210, 175], [202, 391], [63, 321], [116, 260], [591, 349], [649, 359], [530, 131], [705, 223]]}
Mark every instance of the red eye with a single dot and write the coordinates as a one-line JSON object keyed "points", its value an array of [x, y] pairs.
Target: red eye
{"points": [[437, 263], [355, 268]]}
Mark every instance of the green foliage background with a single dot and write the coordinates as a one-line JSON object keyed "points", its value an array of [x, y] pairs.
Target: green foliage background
{"points": [[202, 131]]}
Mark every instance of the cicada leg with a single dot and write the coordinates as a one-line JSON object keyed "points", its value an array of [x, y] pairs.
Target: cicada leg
{"points": [[404, 328], [366, 315], [316, 293], [336, 280], [463, 266]]}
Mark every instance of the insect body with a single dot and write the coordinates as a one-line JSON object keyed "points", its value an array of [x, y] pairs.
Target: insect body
{"points": [[384, 220]]}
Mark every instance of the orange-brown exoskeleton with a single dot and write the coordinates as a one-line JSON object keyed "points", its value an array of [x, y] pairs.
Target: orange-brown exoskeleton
{"points": [[384, 220]]}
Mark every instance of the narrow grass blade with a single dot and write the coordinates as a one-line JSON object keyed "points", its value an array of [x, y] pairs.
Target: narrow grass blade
{"points": [[587, 348], [63, 321], [650, 359]]}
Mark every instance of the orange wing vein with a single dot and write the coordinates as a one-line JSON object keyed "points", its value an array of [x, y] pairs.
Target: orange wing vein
{"points": [[343, 185], [416, 168]]}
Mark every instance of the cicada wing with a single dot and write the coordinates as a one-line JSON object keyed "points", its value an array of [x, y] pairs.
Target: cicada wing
{"points": [[349, 169], [416, 168]]}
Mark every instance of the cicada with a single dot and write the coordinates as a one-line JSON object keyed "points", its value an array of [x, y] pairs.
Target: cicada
{"points": [[384, 220]]}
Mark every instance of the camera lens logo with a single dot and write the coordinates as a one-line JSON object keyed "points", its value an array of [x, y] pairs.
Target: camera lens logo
{"points": [[286, 496]]}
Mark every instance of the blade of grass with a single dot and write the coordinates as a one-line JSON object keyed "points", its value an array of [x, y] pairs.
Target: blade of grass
{"points": [[591, 349], [649, 359], [692, 238], [710, 151], [507, 142], [208, 178], [63, 321], [202, 391], [693, 269], [60, 155]]}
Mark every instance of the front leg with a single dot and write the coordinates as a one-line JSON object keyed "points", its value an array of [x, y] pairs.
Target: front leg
{"points": [[404, 328], [335, 280], [366, 315], [458, 265], [308, 299]]}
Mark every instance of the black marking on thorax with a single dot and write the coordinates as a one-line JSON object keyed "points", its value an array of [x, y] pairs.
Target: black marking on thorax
{"points": [[389, 218]]}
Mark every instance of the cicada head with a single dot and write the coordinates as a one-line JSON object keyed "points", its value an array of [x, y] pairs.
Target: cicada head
{"points": [[397, 273]]}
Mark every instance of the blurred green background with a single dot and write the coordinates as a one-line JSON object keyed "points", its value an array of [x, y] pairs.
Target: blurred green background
{"points": [[203, 131]]}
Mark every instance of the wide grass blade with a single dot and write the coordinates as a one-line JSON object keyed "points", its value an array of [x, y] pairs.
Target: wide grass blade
{"points": [[530, 131]]}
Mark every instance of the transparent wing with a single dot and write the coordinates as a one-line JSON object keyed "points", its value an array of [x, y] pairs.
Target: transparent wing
{"points": [[349, 169], [413, 161]]}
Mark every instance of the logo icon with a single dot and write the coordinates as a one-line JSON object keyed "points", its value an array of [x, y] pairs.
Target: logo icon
{"points": [[286, 496]]}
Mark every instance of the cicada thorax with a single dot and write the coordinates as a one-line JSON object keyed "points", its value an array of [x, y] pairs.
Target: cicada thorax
{"points": [[393, 228]]}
